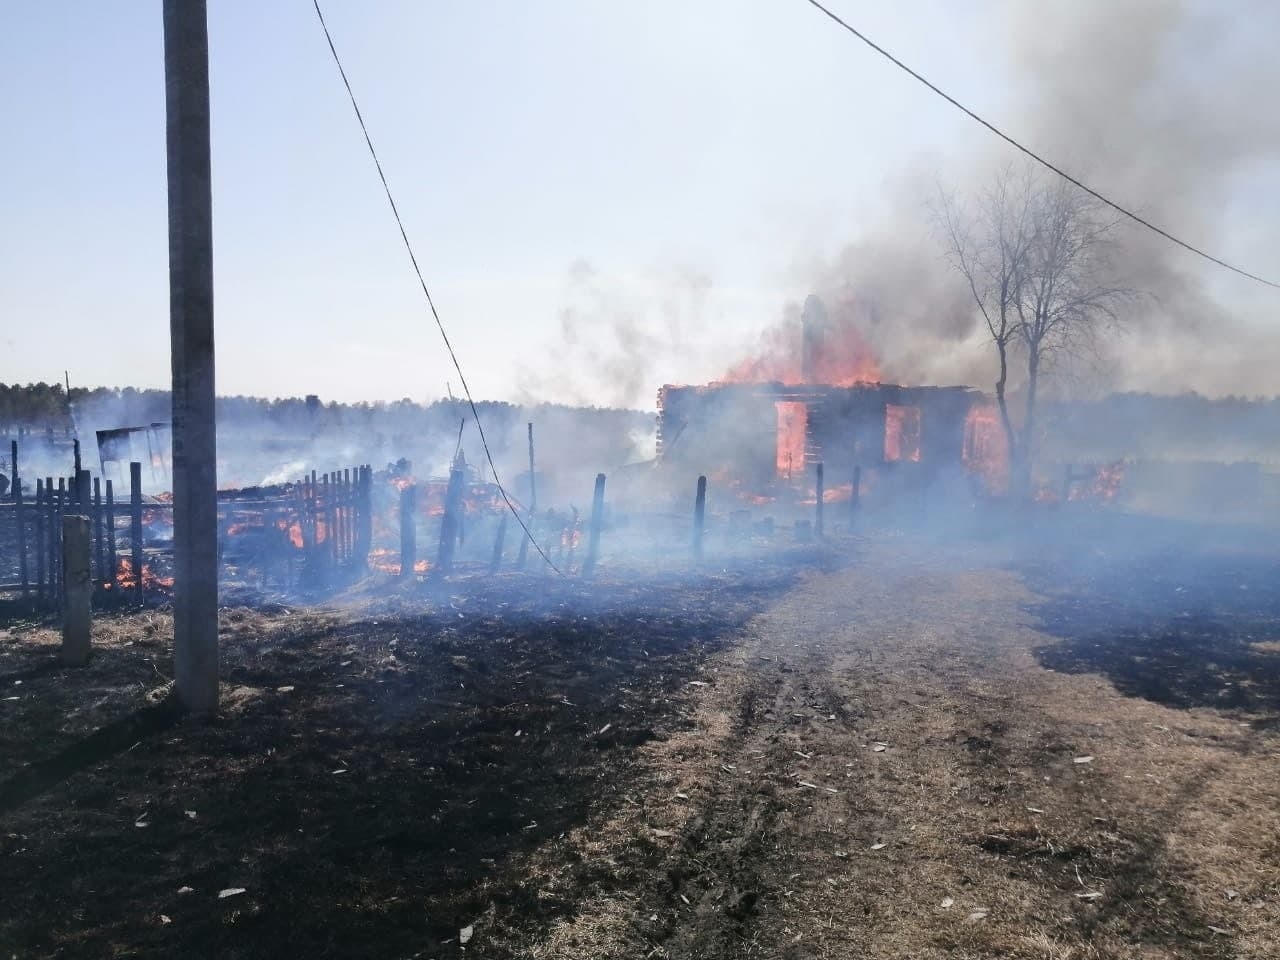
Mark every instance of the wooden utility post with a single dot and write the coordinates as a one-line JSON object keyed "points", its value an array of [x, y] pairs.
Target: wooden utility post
{"points": [[451, 522], [77, 590], [195, 481], [20, 519], [699, 518], [498, 543], [135, 526], [533, 504], [822, 494], [597, 520]]}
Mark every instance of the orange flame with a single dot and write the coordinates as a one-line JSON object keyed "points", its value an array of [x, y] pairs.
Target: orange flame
{"points": [[986, 447], [388, 561], [127, 580], [793, 425], [724, 478], [901, 433], [838, 494], [294, 530], [1102, 486], [840, 357]]}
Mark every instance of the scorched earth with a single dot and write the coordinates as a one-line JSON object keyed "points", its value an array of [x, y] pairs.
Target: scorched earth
{"points": [[883, 747]]}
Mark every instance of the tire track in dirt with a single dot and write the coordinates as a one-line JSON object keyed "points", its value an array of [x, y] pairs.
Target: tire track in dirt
{"points": [[880, 768]]}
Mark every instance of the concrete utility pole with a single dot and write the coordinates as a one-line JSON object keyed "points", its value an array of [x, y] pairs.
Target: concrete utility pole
{"points": [[195, 482]]}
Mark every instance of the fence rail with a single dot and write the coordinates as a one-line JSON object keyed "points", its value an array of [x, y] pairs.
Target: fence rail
{"points": [[308, 533]]}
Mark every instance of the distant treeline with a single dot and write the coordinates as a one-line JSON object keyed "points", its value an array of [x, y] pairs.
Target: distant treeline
{"points": [[38, 407], [255, 431], [1150, 426], [270, 441]]}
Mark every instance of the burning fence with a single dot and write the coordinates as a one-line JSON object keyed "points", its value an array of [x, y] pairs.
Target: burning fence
{"points": [[321, 531], [306, 534], [814, 399]]}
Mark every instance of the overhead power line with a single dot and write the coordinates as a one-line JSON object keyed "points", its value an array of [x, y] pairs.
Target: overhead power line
{"points": [[435, 314], [1035, 156]]}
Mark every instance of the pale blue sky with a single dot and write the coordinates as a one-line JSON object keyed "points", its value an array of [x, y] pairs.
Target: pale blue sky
{"points": [[728, 142]]}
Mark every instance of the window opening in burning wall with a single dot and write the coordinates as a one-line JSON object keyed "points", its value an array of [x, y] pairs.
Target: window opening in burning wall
{"points": [[901, 433], [793, 426], [986, 448]]}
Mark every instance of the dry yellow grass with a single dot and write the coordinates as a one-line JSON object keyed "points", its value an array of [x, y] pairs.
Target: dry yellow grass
{"points": [[973, 833]]}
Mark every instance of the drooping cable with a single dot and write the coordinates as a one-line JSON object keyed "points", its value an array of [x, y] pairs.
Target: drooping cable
{"points": [[435, 314], [1035, 156]]}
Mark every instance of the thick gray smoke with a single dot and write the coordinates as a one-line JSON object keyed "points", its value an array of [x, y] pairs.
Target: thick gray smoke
{"points": [[618, 336], [1160, 105]]}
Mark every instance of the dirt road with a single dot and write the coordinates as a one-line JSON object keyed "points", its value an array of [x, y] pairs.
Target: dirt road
{"points": [[869, 761], [881, 768]]}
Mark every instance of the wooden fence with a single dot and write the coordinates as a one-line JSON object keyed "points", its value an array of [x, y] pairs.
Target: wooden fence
{"points": [[311, 533]]}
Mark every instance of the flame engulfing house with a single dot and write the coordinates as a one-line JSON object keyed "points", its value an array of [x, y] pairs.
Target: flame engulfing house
{"points": [[823, 403]]}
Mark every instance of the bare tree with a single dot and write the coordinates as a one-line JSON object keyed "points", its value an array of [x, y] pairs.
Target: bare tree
{"points": [[990, 247], [1038, 256]]}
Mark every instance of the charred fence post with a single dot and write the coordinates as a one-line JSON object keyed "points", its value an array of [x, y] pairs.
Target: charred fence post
{"points": [[533, 505], [408, 530], [55, 542], [329, 523], [111, 534], [449, 523], [19, 518], [311, 529], [597, 518], [348, 500], [499, 542], [135, 524], [40, 550], [324, 527], [99, 545], [817, 520], [82, 492], [78, 589], [302, 494], [364, 518], [699, 516]]}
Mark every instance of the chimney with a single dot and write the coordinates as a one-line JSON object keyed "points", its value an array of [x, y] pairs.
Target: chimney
{"points": [[813, 332]]}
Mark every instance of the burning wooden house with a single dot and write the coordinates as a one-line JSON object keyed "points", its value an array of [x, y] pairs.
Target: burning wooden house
{"points": [[822, 402], [763, 435]]}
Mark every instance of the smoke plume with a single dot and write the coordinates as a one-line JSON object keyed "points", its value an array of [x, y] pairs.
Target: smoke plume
{"points": [[1156, 104]]}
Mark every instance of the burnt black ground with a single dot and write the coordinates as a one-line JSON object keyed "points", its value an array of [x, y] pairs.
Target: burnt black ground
{"points": [[1170, 612], [373, 809], [389, 773]]}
